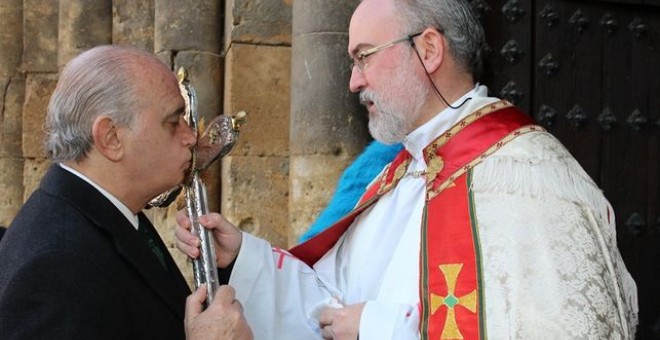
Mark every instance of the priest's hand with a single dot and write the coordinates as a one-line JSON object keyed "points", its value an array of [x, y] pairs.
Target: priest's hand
{"points": [[223, 319], [227, 238], [341, 323]]}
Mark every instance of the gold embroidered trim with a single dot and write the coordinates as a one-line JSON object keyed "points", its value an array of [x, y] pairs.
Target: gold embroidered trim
{"points": [[435, 162], [449, 182]]}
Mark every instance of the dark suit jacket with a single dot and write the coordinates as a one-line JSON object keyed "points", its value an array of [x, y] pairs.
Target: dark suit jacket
{"points": [[73, 267]]}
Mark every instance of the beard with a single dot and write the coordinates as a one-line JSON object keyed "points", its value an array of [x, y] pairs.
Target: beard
{"points": [[396, 107]]}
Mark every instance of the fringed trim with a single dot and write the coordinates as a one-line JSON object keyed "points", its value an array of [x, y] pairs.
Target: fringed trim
{"points": [[537, 165]]}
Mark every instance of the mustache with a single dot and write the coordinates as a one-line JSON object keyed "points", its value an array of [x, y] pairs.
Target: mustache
{"points": [[367, 97]]}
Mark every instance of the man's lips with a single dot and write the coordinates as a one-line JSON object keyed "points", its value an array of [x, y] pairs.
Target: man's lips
{"points": [[367, 103], [371, 108]]}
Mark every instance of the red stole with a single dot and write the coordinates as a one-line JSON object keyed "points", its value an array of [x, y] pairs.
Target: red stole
{"points": [[450, 272]]}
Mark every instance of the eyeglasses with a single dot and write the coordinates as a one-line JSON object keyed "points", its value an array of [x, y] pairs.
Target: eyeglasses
{"points": [[360, 59]]}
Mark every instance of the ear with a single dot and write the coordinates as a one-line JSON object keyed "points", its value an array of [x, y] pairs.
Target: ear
{"points": [[431, 46], [107, 139]]}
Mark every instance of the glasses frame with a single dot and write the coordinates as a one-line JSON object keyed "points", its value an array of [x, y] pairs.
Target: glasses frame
{"points": [[360, 59]]}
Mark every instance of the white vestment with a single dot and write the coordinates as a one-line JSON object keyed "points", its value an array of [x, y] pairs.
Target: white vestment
{"points": [[551, 266]]}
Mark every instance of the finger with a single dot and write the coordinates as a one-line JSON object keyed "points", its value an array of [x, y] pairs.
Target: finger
{"points": [[186, 236], [213, 221], [238, 306], [225, 295], [190, 251], [186, 242], [327, 332], [183, 220], [327, 316], [194, 303]]}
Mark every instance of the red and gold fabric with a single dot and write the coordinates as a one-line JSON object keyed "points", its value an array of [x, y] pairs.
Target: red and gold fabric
{"points": [[450, 279]]}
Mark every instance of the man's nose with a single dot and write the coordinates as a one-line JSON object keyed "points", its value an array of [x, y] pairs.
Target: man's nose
{"points": [[189, 136], [357, 81]]}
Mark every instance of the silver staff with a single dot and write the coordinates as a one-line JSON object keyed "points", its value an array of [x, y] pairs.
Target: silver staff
{"points": [[216, 140]]}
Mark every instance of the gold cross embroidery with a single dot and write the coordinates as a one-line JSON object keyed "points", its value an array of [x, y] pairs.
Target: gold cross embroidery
{"points": [[469, 301]]}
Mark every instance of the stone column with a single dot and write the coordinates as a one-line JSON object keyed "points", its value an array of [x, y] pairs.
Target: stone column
{"points": [[40, 61], [11, 35], [83, 24], [12, 87], [188, 34], [255, 175], [133, 23], [328, 128]]}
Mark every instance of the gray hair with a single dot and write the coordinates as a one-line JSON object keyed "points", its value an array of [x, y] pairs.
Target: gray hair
{"points": [[458, 23], [97, 82]]}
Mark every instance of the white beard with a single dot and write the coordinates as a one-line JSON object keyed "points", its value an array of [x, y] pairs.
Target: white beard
{"points": [[397, 107]]}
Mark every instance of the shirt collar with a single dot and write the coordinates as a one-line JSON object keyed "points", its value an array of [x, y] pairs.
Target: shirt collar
{"points": [[416, 141], [123, 208]]}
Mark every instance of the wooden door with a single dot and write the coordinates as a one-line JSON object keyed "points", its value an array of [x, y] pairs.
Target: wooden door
{"points": [[589, 71]]}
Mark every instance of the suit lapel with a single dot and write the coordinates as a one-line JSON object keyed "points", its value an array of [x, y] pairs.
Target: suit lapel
{"points": [[169, 285]]}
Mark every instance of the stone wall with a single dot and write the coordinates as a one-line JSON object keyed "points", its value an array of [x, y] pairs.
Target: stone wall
{"points": [[239, 56]]}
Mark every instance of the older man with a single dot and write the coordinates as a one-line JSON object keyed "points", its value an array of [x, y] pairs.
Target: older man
{"points": [[80, 260], [483, 226]]}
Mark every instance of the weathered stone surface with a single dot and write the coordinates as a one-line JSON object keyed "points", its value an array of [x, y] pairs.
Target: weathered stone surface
{"points": [[133, 23], [39, 88], [322, 16], [33, 170], [313, 180], [11, 187], [255, 196], [167, 58], [83, 24], [328, 127], [12, 90], [41, 25], [258, 22], [184, 25], [326, 117], [205, 73], [11, 36], [257, 81]]}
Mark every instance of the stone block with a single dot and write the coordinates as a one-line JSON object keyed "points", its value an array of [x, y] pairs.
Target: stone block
{"points": [[40, 37], [39, 88], [258, 81], [166, 57], [188, 25], [133, 23], [258, 22], [11, 36], [83, 24], [327, 118], [11, 187], [313, 181], [34, 170], [313, 16], [255, 196], [205, 73], [12, 90]]}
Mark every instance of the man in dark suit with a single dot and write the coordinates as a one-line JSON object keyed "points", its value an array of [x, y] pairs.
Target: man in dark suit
{"points": [[81, 260]]}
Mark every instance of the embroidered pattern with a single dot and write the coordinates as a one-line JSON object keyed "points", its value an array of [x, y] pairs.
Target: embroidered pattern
{"points": [[435, 188], [435, 164], [451, 273]]}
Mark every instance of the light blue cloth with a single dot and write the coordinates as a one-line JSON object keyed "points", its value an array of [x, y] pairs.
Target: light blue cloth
{"points": [[352, 184]]}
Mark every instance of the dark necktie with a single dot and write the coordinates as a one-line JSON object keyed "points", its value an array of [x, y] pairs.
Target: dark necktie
{"points": [[148, 234]]}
